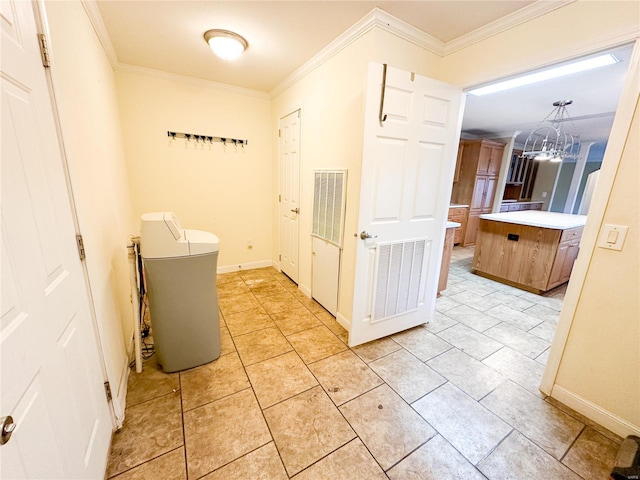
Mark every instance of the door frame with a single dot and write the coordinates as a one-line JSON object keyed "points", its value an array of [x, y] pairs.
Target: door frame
{"points": [[116, 411], [611, 161], [610, 164], [290, 110]]}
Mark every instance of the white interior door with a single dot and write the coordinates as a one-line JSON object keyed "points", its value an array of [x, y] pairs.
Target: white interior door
{"points": [[407, 172], [289, 131], [51, 378]]}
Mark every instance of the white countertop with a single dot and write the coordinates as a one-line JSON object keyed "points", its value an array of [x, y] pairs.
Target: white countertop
{"points": [[452, 224], [537, 218]]}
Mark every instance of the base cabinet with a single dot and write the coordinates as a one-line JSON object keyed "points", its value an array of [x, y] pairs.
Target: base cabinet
{"points": [[533, 258], [446, 260], [565, 258], [458, 215], [473, 222]]}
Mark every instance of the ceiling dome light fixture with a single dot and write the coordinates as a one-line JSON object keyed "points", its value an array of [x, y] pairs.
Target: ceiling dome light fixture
{"points": [[552, 142], [225, 44]]}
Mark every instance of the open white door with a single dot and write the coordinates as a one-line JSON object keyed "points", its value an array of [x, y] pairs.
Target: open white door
{"points": [[289, 132], [407, 172], [51, 377]]}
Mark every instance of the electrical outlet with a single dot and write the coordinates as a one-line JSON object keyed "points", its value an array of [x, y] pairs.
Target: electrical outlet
{"points": [[250, 245]]}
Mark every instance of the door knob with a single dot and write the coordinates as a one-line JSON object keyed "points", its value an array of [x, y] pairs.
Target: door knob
{"points": [[364, 235], [295, 210], [7, 429]]}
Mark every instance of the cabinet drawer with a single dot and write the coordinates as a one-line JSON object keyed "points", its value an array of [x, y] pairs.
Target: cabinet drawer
{"points": [[458, 212], [571, 234]]}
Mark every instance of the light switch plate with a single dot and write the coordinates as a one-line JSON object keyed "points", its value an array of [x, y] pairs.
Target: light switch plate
{"points": [[612, 236]]}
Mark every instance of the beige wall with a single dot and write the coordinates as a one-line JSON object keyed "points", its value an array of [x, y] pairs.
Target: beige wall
{"points": [[545, 182], [600, 367], [235, 194], [572, 30], [332, 101], [601, 361], [224, 190], [86, 93]]}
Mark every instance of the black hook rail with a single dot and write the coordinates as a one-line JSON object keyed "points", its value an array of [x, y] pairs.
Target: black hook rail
{"points": [[207, 138]]}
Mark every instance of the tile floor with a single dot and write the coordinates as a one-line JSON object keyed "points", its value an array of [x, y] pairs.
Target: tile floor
{"points": [[454, 399]]}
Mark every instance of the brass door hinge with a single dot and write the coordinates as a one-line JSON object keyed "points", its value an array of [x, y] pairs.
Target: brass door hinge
{"points": [[44, 50], [80, 243], [107, 391]]}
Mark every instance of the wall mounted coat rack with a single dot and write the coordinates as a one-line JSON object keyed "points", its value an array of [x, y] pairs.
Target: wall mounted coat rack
{"points": [[207, 138]]}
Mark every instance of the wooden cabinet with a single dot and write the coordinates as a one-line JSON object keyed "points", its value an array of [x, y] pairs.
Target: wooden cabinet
{"points": [[481, 202], [446, 260], [473, 222], [534, 258], [489, 158], [567, 254], [459, 215], [488, 194], [518, 206], [479, 167], [456, 175], [521, 177]]}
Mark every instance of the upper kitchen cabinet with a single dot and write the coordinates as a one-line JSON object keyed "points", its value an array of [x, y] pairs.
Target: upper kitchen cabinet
{"points": [[479, 167], [488, 154]]}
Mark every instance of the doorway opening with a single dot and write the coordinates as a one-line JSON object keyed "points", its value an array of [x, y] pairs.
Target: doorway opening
{"points": [[507, 118]]}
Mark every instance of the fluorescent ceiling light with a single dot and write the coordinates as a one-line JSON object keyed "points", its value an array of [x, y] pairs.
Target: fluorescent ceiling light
{"points": [[548, 74]]}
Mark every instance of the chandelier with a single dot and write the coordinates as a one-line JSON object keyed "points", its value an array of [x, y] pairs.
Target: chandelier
{"points": [[551, 142]]}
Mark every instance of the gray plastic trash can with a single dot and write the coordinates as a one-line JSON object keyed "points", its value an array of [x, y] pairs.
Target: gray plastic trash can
{"points": [[180, 268]]}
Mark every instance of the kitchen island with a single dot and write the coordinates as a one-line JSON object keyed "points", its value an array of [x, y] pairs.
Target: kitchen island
{"points": [[529, 249]]}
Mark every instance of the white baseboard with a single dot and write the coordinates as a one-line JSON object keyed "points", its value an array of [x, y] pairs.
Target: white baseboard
{"points": [[305, 289], [245, 266], [595, 412], [119, 395], [344, 321]]}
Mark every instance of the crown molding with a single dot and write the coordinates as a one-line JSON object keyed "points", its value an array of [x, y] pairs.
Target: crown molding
{"points": [[503, 24], [91, 8], [198, 82], [376, 18]]}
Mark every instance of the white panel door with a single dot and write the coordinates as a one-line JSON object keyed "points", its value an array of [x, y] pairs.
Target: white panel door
{"points": [[51, 377], [289, 131], [407, 173]]}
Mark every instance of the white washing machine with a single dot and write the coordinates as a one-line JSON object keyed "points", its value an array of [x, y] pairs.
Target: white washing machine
{"points": [[180, 267]]}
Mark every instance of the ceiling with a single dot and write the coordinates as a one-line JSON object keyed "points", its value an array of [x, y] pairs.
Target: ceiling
{"points": [[168, 36]]}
